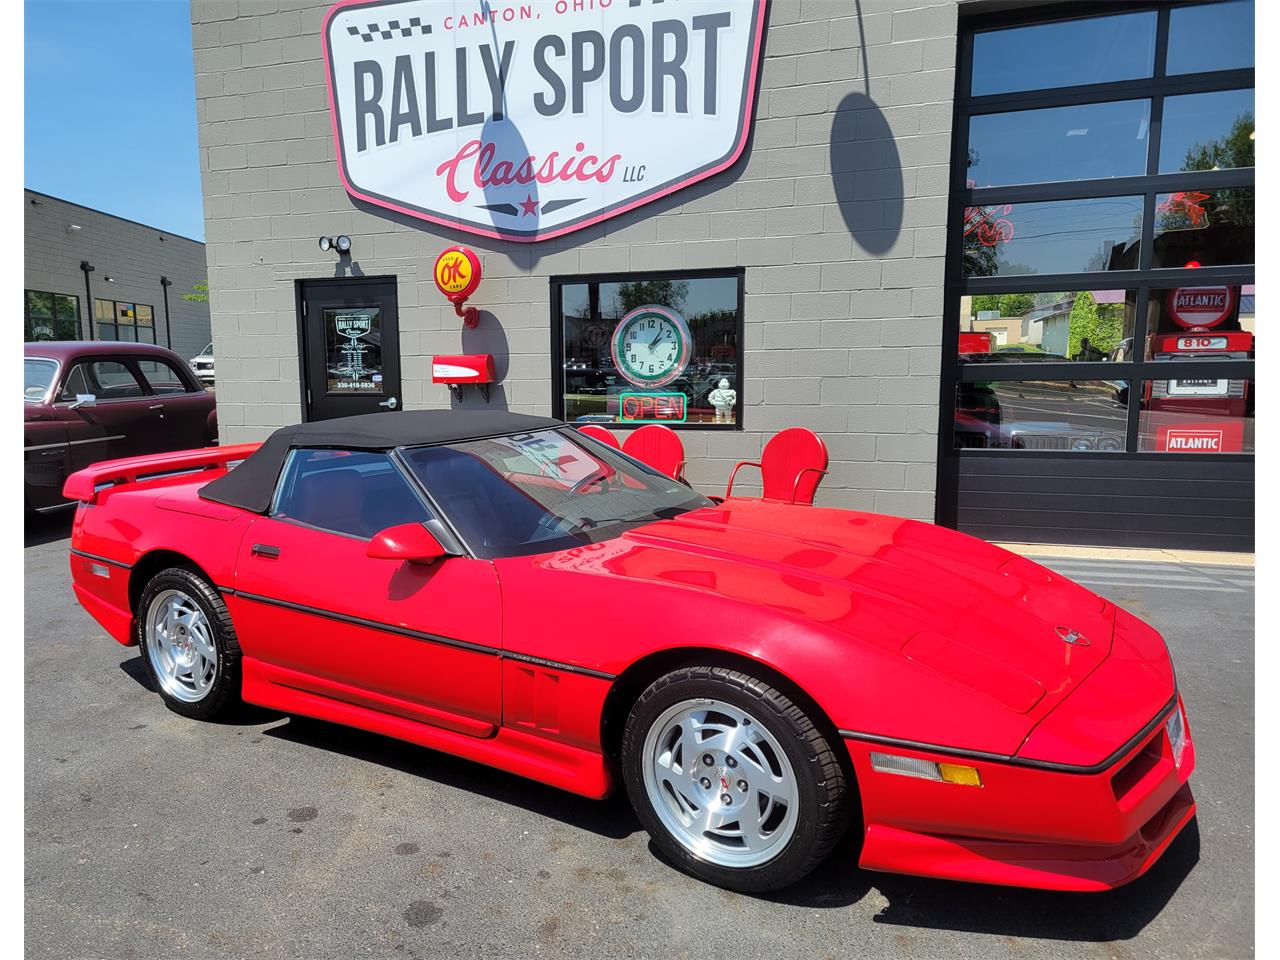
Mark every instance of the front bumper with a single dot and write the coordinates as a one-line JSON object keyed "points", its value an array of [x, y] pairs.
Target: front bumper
{"points": [[1028, 826]]}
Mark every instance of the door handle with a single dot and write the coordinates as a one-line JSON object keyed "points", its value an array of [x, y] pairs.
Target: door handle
{"points": [[156, 406], [265, 550], [389, 402]]}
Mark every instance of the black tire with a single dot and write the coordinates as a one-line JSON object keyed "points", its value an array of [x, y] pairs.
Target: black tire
{"points": [[824, 802], [224, 692]]}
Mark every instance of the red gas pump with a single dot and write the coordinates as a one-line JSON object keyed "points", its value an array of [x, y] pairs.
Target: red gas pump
{"points": [[1199, 414]]}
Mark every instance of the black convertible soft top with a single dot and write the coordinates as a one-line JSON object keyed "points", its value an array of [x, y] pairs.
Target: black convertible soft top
{"points": [[251, 485]]}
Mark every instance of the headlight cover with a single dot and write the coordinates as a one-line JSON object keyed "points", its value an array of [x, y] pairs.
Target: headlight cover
{"points": [[1177, 732]]}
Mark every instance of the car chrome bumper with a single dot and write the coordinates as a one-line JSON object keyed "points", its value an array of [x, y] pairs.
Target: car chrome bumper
{"points": [[1025, 826]]}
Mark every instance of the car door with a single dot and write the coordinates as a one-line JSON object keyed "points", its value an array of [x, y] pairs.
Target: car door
{"points": [[414, 640], [117, 422], [182, 406]]}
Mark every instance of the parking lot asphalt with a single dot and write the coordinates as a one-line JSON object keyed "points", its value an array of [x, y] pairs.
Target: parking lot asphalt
{"points": [[149, 835]]}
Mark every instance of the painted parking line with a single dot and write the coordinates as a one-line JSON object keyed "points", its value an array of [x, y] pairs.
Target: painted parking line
{"points": [[1154, 576]]}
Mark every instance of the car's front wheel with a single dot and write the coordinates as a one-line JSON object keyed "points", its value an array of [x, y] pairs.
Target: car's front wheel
{"points": [[188, 645], [734, 782]]}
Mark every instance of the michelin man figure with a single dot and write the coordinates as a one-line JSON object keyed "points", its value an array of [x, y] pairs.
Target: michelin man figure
{"points": [[723, 399]]}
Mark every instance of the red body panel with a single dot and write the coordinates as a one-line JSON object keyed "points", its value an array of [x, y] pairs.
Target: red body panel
{"points": [[910, 638]]}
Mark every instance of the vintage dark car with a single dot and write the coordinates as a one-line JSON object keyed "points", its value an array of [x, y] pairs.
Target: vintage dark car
{"points": [[86, 401]]}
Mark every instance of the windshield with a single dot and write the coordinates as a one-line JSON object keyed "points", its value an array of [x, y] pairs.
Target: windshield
{"points": [[548, 490], [37, 375]]}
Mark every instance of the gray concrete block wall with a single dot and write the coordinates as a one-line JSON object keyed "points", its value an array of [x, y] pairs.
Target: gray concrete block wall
{"points": [[837, 211], [136, 255]]}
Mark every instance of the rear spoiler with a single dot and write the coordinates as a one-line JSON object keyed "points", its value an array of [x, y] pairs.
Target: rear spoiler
{"points": [[84, 485]]}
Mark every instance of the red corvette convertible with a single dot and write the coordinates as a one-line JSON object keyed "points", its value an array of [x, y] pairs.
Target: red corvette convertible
{"points": [[760, 677]]}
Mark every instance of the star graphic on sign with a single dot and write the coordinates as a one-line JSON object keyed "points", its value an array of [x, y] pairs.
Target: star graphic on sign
{"points": [[529, 205]]}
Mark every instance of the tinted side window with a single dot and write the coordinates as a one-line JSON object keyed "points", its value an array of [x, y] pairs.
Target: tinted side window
{"points": [[345, 491], [105, 379], [76, 383], [162, 377]]}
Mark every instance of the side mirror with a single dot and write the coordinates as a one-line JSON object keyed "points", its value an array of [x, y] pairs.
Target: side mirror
{"points": [[410, 542], [84, 400]]}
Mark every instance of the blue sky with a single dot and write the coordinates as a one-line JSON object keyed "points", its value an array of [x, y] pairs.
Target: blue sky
{"points": [[110, 109]]}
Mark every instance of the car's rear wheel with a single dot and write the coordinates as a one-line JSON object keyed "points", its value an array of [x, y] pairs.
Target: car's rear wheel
{"points": [[188, 644], [734, 782]]}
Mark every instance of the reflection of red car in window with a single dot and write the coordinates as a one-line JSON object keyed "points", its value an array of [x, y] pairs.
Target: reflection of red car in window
{"points": [[976, 342]]}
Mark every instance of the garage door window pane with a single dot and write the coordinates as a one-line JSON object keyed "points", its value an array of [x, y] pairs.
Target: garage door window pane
{"points": [[1057, 236], [1217, 36], [1203, 228], [1196, 414], [1081, 416], [1084, 326], [1207, 131], [1046, 55], [1213, 322], [1091, 141]]}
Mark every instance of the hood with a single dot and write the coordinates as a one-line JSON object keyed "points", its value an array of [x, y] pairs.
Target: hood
{"points": [[998, 624]]}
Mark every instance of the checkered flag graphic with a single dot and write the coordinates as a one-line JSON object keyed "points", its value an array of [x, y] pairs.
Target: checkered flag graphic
{"points": [[393, 28]]}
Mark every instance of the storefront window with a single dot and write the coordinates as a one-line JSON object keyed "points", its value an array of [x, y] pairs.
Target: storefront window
{"points": [[1201, 323], [1064, 54], [1203, 228], [1085, 142], [133, 322], [1084, 326], [104, 319], [1079, 416], [1190, 414], [51, 316], [1207, 131], [1057, 236], [1211, 36], [657, 349]]}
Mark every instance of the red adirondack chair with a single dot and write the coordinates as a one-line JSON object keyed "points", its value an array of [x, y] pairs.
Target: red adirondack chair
{"points": [[597, 432], [792, 465], [659, 447]]}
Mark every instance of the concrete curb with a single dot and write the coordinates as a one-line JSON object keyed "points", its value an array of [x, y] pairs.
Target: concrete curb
{"points": [[1150, 555]]}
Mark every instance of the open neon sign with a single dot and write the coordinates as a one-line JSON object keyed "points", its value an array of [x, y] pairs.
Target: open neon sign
{"points": [[991, 225], [653, 407]]}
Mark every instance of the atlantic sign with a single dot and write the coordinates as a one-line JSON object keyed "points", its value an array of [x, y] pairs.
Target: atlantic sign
{"points": [[535, 119]]}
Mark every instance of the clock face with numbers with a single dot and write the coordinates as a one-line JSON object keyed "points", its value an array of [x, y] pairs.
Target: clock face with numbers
{"points": [[651, 346]]}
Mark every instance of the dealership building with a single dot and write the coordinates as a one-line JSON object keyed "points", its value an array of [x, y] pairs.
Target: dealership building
{"points": [[89, 275], [999, 256]]}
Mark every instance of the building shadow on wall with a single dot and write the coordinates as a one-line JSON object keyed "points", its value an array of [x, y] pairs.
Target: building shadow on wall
{"points": [[866, 169]]}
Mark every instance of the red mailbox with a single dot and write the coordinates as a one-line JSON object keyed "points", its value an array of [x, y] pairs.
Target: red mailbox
{"points": [[463, 368]]}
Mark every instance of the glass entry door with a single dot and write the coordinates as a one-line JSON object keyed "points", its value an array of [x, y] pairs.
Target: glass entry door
{"points": [[351, 347]]}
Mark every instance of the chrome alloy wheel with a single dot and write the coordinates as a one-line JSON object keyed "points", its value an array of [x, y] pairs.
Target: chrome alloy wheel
{"points": [[721, 783], [180, 646]]}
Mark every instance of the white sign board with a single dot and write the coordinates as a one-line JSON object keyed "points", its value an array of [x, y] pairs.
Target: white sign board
{"points": [[530, 120]]}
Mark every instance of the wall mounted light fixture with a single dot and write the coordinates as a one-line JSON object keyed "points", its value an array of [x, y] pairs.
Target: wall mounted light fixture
{"points": [[341, 243]]}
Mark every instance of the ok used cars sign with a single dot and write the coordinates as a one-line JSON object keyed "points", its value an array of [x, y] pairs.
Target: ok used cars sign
{"points": [[530, 120]]}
